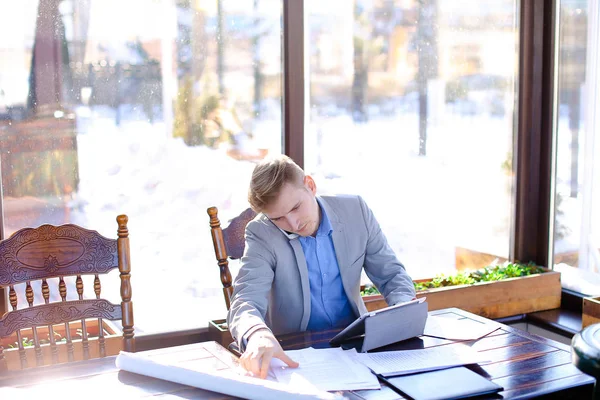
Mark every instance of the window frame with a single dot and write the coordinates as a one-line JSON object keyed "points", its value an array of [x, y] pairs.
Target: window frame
{"points": [[533, 148]]}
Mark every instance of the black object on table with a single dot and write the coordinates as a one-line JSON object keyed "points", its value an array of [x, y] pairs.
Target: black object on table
{"points": [[585, 353]]}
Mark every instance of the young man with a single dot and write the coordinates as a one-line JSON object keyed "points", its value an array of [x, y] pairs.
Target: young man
{"points": [[302, 263]]}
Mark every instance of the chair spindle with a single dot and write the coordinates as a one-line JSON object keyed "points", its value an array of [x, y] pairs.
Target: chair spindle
{"points": [[125, 275], [36, 340], [53, 347], [12, 296], [84, 334], [3, 363], [101, 341], [221, 254], [62, 289]]}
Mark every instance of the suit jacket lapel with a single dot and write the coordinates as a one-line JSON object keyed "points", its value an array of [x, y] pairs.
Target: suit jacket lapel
{"points": [[303, 269], [340, 244]]}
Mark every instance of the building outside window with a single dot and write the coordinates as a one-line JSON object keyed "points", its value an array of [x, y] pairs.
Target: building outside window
{"points": [[154, 109], [413, 107], [577, 171], [411, 104]]}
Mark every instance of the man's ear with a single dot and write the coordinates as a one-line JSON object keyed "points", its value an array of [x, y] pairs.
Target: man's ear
{"points": [[310, 184]]}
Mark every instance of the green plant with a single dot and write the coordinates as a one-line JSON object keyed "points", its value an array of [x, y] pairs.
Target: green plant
{"points": [[486, 274], [26, 343], [368, 290], [57, 338]]}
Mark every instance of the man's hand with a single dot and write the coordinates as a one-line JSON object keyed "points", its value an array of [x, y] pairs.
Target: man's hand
{"points": [[261, 348]]}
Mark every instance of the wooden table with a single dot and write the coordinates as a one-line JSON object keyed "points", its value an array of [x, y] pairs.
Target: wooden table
{"points": [[100, 379], [525, 365]]}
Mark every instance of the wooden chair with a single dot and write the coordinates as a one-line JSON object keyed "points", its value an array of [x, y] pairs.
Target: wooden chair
{"points": [[39, 254], [229, 244]]}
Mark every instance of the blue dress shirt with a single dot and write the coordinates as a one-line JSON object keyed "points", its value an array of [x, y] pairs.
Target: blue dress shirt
{"points": [[329, 305]]}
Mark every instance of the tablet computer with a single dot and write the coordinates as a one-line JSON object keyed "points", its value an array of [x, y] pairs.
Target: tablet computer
{"points": [[387, 325]]}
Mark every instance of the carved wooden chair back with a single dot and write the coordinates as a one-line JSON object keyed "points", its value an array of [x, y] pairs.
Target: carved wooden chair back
{"points": [[229, 243], [37, 255]]}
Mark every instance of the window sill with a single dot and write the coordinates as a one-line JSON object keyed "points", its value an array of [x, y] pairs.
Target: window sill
{"points": [[561, 321], [565, 321], [170, 339]]}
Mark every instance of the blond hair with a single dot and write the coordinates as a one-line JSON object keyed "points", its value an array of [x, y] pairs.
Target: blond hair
{"points": [[268, 178]]}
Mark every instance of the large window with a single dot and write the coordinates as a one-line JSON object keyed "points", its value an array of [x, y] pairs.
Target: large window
{"points": [[160, 109], [412, 105], [154, 109], [577, 194]]}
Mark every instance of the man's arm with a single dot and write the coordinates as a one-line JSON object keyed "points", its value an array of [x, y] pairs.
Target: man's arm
{"points": [[381, 264], [249, 301], [246, 317], [262, 347]]}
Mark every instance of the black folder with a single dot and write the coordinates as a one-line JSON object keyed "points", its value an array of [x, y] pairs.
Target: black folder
{"points": [[451, 383]]}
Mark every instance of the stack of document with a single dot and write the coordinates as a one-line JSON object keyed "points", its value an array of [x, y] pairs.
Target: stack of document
{"points": [[326, 369], [395, 363], [208, 373], [320, 371]]}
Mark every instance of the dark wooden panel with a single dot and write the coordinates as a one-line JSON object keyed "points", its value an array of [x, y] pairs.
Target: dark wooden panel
{"points": [[517, 352], [534, 139], [55, 313], [526, 365], [170, 339], [293, 80], [499, 337], [573, 387], [563, 322], [31, 254], [529, 363], [527, 386], [539, 339], [493, 342], [301, 340], [321, 339], [234, 234], [538, 377], [34, 254]]}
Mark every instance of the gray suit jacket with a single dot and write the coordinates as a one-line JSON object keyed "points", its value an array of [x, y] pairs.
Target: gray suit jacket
{"points": [[272, 288]]}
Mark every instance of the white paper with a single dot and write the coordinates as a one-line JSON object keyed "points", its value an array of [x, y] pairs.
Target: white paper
{"points": [[457, 329], [222, 381], [326, 369], [394, 363]]}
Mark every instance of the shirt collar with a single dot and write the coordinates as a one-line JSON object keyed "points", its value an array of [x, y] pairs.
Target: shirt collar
{"points": [[325, 225]]}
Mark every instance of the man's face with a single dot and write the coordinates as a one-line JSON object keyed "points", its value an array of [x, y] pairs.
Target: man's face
{"points": [[296, 209]]}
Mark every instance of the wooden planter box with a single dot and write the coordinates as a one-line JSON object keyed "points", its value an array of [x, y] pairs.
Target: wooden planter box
{"points": [[218, 332], [591, 311], [496, 299], [113, 343]]}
